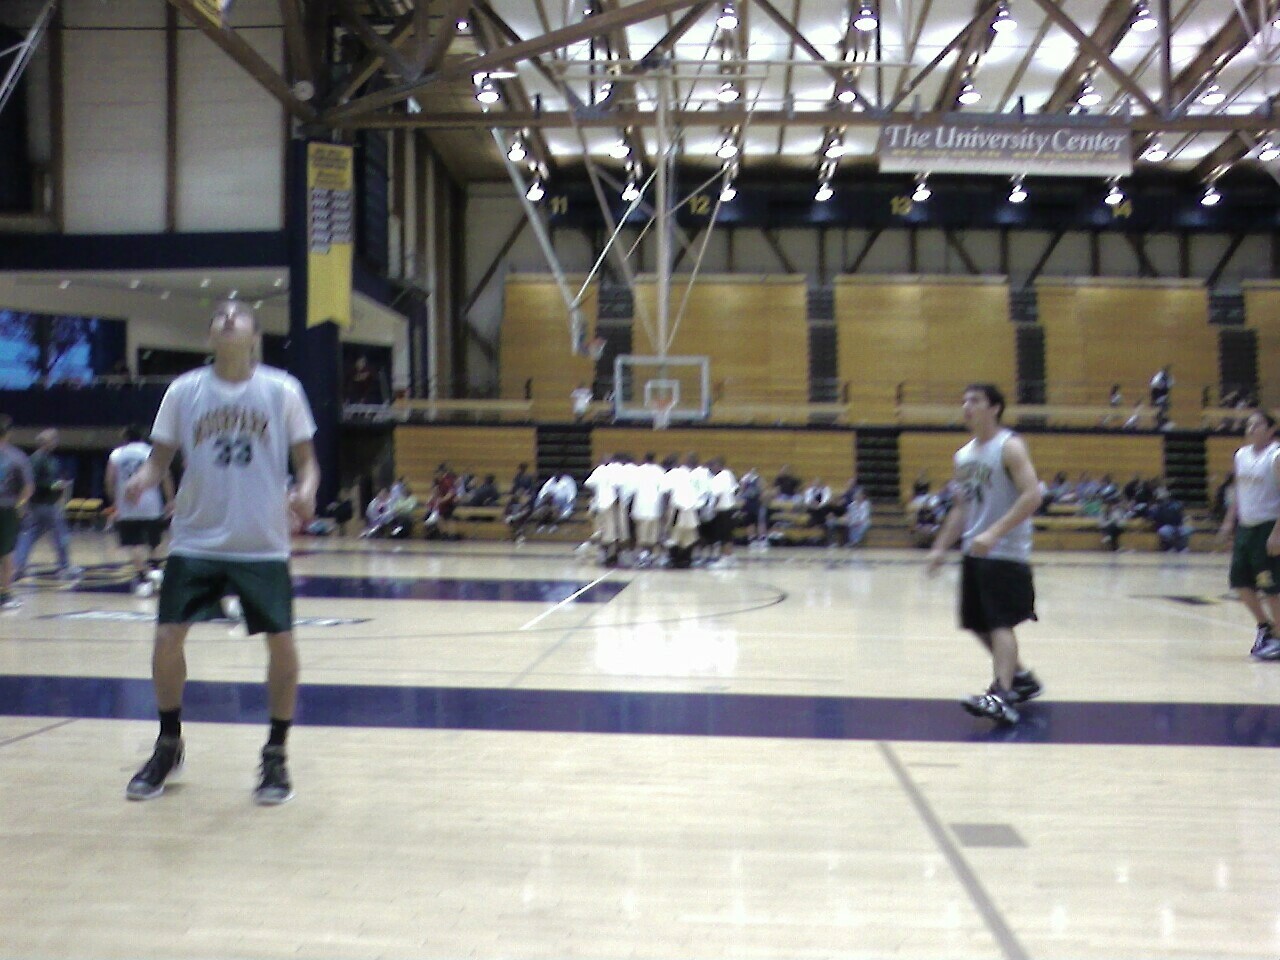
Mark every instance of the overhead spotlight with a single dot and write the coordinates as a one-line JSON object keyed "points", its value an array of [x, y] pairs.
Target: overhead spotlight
{"points": [[845, 92], [728, 19], [463, 25], [517, 151], [825, 192], [922, 191], [630, 192], [488, 92], [728, 149], [1143, 19], [835, 149], [1004, 22], [536, 191], [604, 92], [866, 20], [728, 192], [1211, 197], [1114, 196], [727, 93], [1212, 96], [1155, 153], [619, 150], [1268, 151], [1089, 96], [968, 93], [1019, 192]]}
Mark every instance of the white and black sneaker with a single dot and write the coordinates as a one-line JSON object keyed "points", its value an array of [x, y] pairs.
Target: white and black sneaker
{"points": [[1263, 636], [166, 760], [996, 704], [1026, 686], [1270, 650], [274, 785]]}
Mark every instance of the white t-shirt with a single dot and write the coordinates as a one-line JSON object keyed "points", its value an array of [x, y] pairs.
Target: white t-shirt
{"points": [[724, 490], [1257, 493], [235, 440], [127, 461], [646, 503], [678, 481], [604, 485]]}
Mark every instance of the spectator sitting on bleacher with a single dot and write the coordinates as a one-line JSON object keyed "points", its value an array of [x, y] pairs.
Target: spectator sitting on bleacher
{"points": [[857, 517], [484, 495], [378, 513], [1107, 489], [817, 500], [928, 519], [1086, 488], [1060, 491], [754, 515], [786, 485], [1112, 522], [438, 520], [1170, 524], [555, 502], [522, 482]]}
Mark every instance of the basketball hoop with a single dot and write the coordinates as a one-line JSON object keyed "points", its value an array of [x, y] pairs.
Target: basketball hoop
{"points": [[661, 408]]}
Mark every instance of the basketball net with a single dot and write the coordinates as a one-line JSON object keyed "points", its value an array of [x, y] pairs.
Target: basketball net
{"points": [[662, 412]]}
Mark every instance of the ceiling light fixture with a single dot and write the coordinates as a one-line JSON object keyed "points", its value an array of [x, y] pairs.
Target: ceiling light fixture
{"points": [[463, 25], [1089, 97], [620, 150], [835, 148], [630, 192], [728, 192], [728, 19], [1268, 151], [488, 92], [728, 149], [922, 191], [1115, 196], [1144, 20], [825, 192], [969, 94], [536, 191], [1212, 95], [1211, 196], [1019, 192], [866, 20], [1155, 153], [1004, 22], [727, 92], [845, 92], [517, 151]]}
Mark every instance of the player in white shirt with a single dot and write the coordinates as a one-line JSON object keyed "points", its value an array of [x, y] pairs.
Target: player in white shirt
{"points": [[140, 525], [1251, 516], [238, 423], [723, 494], [606, 511], [683, 499], [646, 507]]}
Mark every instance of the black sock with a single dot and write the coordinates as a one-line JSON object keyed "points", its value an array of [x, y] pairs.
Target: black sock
{"points": [[171, 723], [279, 731], [1265, 625]]}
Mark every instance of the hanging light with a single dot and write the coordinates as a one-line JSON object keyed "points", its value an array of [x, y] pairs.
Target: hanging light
{"points": [[488, 92], [1114, 196], [844, 91], [835, 148], [463, 25], [969, 94], [1212, 96], [825, 192], [1144, 20], [517, 151], [922, 191], [1004, 22], [1211, 197], [1155, 153], [728, 19], [620, 150], [728, 192], [536, 191], [604, 92], [1019, 192], [630, 192], [1089, 96], [727, 93], [1268, 151], [728, 149], [866, 20]]}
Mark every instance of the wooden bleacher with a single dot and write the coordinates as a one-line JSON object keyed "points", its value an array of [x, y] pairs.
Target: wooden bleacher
{"points": [[479, 450], [1053, 414], [534, 345], [473, 409]]}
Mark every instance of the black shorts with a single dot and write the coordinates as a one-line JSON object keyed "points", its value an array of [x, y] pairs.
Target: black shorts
{"points": [[995, 594], [140, 533], [723, 525]]}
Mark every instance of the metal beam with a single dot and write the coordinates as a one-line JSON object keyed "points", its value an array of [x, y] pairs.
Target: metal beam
{"points": [[430, 53], [1051, 246], [508, 56], [958, 40], [772, 240], [238, 49], [1139, 123], [1103, 58], [295, 42], [1145, 266], [953, 241], [867, 244], [787, 27], [911, 47], [496, 262], [363, 72], [977, 43], [1232, 247], [373, 41], [1223, 47], [1107, 34]]}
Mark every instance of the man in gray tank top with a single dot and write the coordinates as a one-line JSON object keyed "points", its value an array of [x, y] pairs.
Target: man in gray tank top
{"points": [[998, 491]]}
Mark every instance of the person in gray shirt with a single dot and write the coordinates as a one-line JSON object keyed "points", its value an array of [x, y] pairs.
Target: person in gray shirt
{"points": [[16, 487]]}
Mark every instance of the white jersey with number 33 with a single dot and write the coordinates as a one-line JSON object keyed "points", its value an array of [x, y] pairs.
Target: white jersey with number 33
{"points": [[235, 440]]}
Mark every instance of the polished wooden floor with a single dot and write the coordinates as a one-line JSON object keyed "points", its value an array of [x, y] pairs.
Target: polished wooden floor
{"points": [[510, 753]]}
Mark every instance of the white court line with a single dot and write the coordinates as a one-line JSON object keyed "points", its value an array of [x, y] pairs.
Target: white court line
{"points": [[569, 599]]}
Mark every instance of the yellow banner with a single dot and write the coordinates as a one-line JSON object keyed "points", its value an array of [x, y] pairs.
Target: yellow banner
{"points": [[331, 205]]}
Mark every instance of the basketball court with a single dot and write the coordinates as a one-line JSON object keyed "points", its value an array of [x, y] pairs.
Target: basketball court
{"points": [[509, 752]]}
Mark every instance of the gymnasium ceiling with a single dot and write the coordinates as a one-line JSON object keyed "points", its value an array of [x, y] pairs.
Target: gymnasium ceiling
{"points": [[574, 77]]}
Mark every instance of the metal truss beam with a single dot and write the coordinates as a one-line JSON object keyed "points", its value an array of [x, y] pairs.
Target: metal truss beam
{"points": [[1103, 57], [1110, 30]]}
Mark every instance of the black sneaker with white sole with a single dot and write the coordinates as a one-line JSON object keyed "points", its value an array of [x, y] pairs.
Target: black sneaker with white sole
{"points": [[1261, 639], [1026, 686], [166, 759], [274, 787], [995, 704]]}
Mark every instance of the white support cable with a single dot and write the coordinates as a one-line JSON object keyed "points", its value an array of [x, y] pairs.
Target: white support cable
{"points": [[25, 51]]}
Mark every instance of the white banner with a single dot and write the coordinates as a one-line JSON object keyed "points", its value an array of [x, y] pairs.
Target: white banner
{"points": [[1012, 148]]}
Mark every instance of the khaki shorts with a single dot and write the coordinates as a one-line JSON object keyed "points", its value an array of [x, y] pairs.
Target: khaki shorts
{"points": [[608, 525], [647, 531]]}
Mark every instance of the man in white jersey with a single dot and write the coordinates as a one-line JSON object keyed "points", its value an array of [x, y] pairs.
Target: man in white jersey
{"points": [[1252, 515], [646, 507], [683, 499], [998, 493], [237, 423], [606, 509], [140, 525], [723, 492]]}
